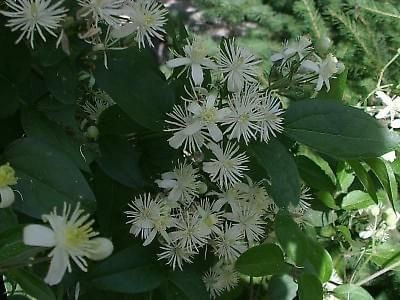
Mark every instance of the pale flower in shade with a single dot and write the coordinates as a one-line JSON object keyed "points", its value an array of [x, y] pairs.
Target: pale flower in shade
{"points": [[7, 178], [195, 58], [72, 237], [238, 65], [31, 16], [110, 12], [219, 278], [391, 108], [301, 47], [228, 165], [229, 245], [211, 217], [244, 121], [207, 115], [181, 184], [147, 20], [175, 255], [271, 120], [325, 69]]}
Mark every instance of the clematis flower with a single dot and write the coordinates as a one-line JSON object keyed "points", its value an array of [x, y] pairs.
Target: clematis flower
{"points": [[7, 178], [391, 109], [72, 237], [31, 16], [324, 68], [195, 58]]}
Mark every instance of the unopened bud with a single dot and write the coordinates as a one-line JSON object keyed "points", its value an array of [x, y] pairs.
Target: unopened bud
{"points": [[92, 132]]}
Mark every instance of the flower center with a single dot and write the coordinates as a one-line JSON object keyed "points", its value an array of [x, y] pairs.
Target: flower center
{"points": [[209, 115], [75, 236], [244, 118]]}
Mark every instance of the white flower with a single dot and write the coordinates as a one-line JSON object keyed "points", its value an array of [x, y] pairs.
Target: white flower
{"points": [[229, 245], [271, 121], [230, 196], [182, 119], [195, 58], [244, 121], [210, 216], [301, 47], [213, 283], [182, 184], [111, 12], [206, 114], [175, 255], [7, 196], [70, 236], [248, 219], [238, 65], [228, 166], [391, 110], [324, 68], [145, 214], [30, 16], [219, 278], [305, 197], [147, 19], [189, 233], [7, 178], [390, 156]]}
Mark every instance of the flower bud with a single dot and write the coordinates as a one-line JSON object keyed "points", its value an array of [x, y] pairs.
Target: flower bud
{"points": [[390, 218], [325, 43], [92, 132], [7, 197], [340, 67], [102, 249], [202, 188], [7, 175], [374, 210]]}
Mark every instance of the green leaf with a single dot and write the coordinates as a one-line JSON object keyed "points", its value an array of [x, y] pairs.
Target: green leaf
{"points": [[190, 283], [386, 254], [327, 199], [351, 292], [338, 130], [385, 174], [312, 174], [13, 252], [357, 200], [8, 219], [274, 158], [32, 284], [114, 121], [345, 177], [120, 161], [282, 287], [364, 178], [62, 81], [46, 178], [318, 218], [302, 250], [262, 260], [310, 287], [42, 129], [338, 86], [9, 99], [132, 270], [136, 86]]}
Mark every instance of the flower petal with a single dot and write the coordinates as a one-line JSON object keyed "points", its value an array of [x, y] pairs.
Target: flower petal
{"points": [[7, 196], [177, 62], [38, 235], [102, 249], [197, 74], [58, 266]]}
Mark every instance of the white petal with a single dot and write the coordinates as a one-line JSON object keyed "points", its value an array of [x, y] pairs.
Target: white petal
{"points": [[123, 31], [211, 100], [193, 128], [277, 56], [177, 62], [197, 74], [38, 235], [150, 238], [58, 266], [395, 123], [383, 113], [194, 108], [166, 183], [177, 140], [310, 65], [390, 156], [223, 113], [7, 196], [215, 132], [385, 98], [102, 249]]}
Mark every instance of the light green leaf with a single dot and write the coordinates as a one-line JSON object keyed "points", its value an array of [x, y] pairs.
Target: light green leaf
{"points": [[351, 292], [46, 178], [357, 200], [274, 158], [262, 260], [338, 130], [281, 287]]}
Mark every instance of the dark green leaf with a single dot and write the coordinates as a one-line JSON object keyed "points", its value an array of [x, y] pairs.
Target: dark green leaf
{"points": [[32, 284], [190, 283], [136, 86], [317, 218], [338, 130], [351, 292], [46, 178], [303, 251], [114, 121], [9, 99], [120, 160], [281, 287], [364, 178], [310, 287], [132, 270], [274, 158], [262, 260], [312, 174], [327, 199]]}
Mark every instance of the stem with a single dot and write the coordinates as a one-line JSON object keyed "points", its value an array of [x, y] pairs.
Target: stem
{"points": [[379, 273], [251, 297]]}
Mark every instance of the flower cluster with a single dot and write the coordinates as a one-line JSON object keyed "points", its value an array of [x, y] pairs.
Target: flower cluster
{"points": [[310, 67]]}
